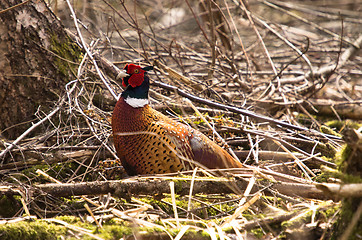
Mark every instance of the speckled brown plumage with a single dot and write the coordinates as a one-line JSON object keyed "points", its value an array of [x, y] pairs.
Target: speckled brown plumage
{"points": [[148, 142]]}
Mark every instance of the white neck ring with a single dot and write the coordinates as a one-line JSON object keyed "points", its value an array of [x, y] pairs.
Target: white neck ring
{"points": [[136, 102]]}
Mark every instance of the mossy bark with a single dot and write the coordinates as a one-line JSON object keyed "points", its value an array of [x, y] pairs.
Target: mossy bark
{"points": [[351, 166], [38, 59]]}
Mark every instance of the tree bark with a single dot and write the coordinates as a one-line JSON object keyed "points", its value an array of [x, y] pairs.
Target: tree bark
{"points": [[38, 59]]}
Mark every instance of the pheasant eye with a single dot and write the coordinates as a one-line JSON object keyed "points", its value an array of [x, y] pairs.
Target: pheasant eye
{"points": [[136, 71]]}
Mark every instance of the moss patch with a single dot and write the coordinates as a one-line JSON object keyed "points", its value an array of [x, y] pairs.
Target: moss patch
{"points": [[31, 230], [67, 53], [340, 125]]}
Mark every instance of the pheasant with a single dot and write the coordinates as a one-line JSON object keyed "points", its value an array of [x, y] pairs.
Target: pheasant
{"points": [[148, 142]]}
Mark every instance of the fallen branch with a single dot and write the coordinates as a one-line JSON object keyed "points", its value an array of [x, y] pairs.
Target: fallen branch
{"points": [[152, 186], [341, 190]]}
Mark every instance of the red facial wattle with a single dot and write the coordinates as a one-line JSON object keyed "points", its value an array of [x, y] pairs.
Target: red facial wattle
{"points": [[136, 75]]}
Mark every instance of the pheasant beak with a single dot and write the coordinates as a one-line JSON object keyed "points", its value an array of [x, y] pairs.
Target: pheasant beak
{"points": [[122, 74]]}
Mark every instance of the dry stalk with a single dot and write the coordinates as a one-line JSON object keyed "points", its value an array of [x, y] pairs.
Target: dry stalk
{"points": [[81, 133]]}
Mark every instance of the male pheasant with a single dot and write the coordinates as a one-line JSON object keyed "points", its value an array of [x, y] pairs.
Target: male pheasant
{"points": [[148, 142]]}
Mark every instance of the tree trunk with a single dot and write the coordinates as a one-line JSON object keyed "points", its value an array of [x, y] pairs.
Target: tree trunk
{"points": [[38, 59]]}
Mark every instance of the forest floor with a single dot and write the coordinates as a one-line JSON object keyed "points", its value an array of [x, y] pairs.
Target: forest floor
{"points": [[278, 81]]}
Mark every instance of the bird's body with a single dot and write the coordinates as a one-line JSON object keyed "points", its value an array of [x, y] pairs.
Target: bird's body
{"points": [[148, 142]]}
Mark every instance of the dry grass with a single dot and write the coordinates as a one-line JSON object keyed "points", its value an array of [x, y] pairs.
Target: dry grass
{"points": [[295, 62]]}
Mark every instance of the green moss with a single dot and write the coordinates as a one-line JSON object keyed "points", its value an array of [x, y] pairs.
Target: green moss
{"points": [[258, 232], [252, 216], [325, 174], [298, 220], [31, 230], [176, 109], [248, 216], [57, 170], [329, 212], [75, 202], [327, 149], [28, 173], [41, 230], [348, 178], [342, 155], [156, 202], [333, 173], [179, 185], [66, 169], [275, 201], [67, 52], [68, 219], [199, 209], [304, 119], [193, 234], [340, 125], [341, 160], [190, 234], [114, 231], [76, 221], [179, 202], [349, 206], [330, 131], [224, 207]]}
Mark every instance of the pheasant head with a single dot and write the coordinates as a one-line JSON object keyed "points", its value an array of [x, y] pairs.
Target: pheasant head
{"points": [[137, 85]]}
